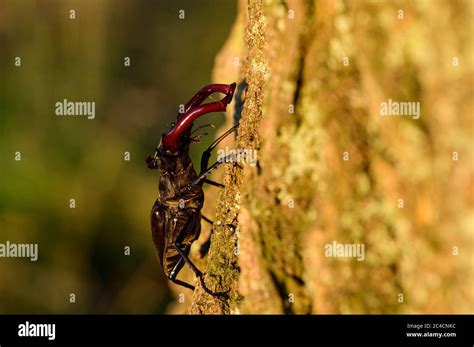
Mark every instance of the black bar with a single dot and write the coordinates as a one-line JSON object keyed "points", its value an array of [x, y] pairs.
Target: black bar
{"points": [[316, 329]]}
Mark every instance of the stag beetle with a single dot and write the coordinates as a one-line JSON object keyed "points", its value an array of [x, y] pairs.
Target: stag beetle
{"points": [[176, 214]]}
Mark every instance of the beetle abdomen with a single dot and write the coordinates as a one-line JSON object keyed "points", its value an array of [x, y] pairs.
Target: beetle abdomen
{"points": [[174, 226]]}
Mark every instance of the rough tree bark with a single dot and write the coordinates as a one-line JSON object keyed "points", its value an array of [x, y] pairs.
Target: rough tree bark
{"points": [[330, 168], [223, 268]]}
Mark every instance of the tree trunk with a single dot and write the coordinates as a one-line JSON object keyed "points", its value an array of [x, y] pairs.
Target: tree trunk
{"points": [[332, 169]]}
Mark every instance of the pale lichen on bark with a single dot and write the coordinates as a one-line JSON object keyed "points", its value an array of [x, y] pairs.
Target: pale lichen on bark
{"points": [[222, 272]]}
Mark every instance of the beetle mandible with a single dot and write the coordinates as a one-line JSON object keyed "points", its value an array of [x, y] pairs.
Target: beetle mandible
{"points": [[176, 214]]}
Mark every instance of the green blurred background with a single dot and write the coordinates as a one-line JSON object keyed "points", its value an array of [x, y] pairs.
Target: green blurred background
{"points": [[81, 250]]}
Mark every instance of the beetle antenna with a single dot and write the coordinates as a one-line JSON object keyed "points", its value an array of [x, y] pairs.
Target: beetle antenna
{"points": [[203, 126], [220, 138]]}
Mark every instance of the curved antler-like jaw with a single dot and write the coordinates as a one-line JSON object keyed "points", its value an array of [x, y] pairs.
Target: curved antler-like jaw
{"points": [[179, 133]]}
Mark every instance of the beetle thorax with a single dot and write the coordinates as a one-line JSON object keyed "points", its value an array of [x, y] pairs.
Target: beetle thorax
{"points": [[176, 172]]}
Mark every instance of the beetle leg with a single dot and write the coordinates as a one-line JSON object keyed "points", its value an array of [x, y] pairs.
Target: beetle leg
{"points": [[202, 177], [187, 260], [212, 183], [207, 219], [206, 244], [198, 273], [182, 283], [206, 155], [174, 272]]}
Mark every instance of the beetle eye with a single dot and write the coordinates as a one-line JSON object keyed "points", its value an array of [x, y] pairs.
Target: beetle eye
{"points": [[152, 162]]}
